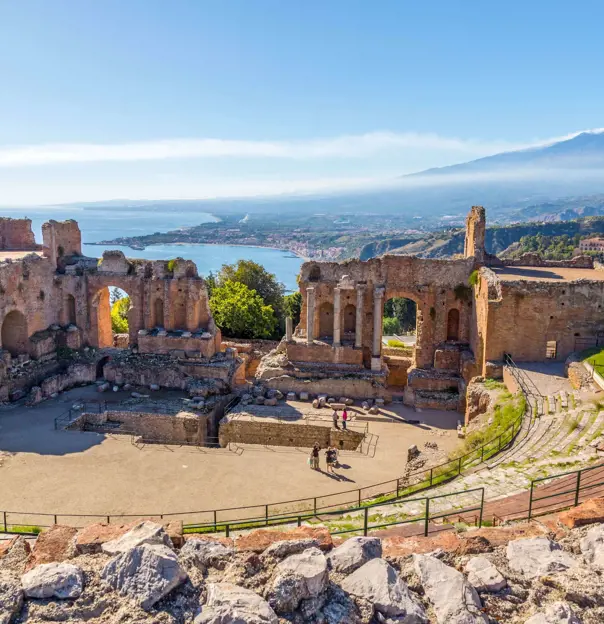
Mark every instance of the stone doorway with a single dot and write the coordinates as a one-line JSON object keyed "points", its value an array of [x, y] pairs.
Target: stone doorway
{"points": [[326, 320], [453, 324]]}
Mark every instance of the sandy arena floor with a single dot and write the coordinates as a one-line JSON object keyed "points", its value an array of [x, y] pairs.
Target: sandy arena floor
{"points": [[71, 472]]}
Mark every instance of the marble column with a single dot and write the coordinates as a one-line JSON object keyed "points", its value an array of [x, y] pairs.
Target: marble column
{"points": [[310, 314], [378, 309], [337, 317], [289, 323], [358, 330]]}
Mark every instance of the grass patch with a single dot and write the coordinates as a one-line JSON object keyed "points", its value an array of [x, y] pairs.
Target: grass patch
{"points": [[24, 528], [493, 384], [573, 424], [393, 343]]}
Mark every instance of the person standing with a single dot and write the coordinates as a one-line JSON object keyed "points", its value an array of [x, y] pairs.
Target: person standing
{"points": [[314, 456], [335, 419], [344, 418], [330, 457]]}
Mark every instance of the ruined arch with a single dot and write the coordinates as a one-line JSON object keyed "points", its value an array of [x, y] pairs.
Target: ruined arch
{"points": [[179, 312], [326, 320], [314, 275], [101, 316], [453, 324], [158, 312], [14, 333], [70, 310]]}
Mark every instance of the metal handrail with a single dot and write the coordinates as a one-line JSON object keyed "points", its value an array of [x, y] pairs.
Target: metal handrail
{"points": [[524, 380]]}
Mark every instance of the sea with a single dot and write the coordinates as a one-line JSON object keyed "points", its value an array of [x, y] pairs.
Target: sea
{"points": [[98, 224]]}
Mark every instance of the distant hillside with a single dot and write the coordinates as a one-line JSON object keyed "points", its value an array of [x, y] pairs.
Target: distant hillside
{"points": [[498, 238]]}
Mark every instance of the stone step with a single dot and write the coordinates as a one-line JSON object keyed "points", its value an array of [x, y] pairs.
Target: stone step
{"points": [[551, 404], [596, 425], [585, 423], [540, 407], [548, 428], [563, 399], [529, 425], [564, 435]]}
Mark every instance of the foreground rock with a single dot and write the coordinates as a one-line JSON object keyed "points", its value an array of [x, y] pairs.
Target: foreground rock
{"points": [[354, 553], [11, 598], [536, 556], [143, 533], [378, 583], [556, 613], [53, 580], [231, 604], [297, 578], [592, 546], [145, 573], [454, 600], [206, 553], [484, 576]]}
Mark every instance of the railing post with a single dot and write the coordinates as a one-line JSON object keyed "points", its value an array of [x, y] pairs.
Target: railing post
{"points": [[427, 518], [226, 530], [482, 453], [459, 467], [431, 477], [530, 509], [398, 487], [366, 521], [578, 489], [299, 521], [215, 521], [315, 505], [481, 508], [266, 514], [108, 519], [4, 520], [499, 443], [55, 518], [359, 497]]}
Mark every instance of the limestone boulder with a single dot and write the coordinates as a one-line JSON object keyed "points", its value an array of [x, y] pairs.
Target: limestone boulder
{"points": [[484, 576], [555, 613], [143, 533], [145, 573], [53, 580], [354, 553], [55, 544], [537, 556], [589, 512], [207, 553], [454, 600], [378, 583], [11, 597], [299, 577], [285, 548], [231, 604], [592, 546]]}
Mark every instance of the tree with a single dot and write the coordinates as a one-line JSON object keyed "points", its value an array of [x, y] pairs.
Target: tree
{"points": [[240, 311], [293, 306], [119, 315], [257, 278], [404, 310], [210, 282], [390, 326], [115, 294]]}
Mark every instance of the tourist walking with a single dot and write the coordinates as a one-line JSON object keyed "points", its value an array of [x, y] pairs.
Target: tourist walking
{"points": [[314, 456], [335, 419], [344, 418]]}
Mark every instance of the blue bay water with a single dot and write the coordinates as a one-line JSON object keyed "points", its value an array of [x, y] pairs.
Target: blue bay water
{"points": [[97, 225]]}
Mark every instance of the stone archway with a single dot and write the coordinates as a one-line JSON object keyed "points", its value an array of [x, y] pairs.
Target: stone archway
{"points": [[101, 318], [326, 320], [14, 333]]}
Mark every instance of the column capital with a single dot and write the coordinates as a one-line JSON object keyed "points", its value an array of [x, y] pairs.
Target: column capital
{"points": [[310, 289], [362, 286], [379, 291]]}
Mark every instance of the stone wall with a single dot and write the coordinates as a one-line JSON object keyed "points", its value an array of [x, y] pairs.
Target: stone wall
{"points": [[200, 344], [233, 429], [299, 351], [398, 365], [529, 314], [181, 428], [17, 235]]}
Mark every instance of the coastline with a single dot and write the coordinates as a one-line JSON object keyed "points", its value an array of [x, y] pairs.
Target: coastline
{"points": [[305, 258]]}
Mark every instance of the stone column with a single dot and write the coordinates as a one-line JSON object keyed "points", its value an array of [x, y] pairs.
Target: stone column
{"points": [[310, 314], [337, 317], [289, 328], [358, 331], [378, 309]]}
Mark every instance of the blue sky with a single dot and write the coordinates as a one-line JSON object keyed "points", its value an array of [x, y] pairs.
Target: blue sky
{"points": [[154, 99]]}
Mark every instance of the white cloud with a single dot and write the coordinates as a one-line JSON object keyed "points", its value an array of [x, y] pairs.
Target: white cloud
{"points": [[352, 146]]}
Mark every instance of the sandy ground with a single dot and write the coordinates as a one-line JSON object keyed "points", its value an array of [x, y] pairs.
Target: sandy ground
{"points": [[546, 274], [71, 472]]}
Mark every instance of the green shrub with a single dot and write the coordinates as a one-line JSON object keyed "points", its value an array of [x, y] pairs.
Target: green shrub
{"points": [[390, 326], [473, 279]]}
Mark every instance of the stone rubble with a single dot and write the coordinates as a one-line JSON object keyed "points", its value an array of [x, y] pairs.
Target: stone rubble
{"points": [[538, 573]]}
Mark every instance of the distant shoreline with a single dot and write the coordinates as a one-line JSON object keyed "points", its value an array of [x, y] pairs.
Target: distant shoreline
{"points": [[206, 245]]}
